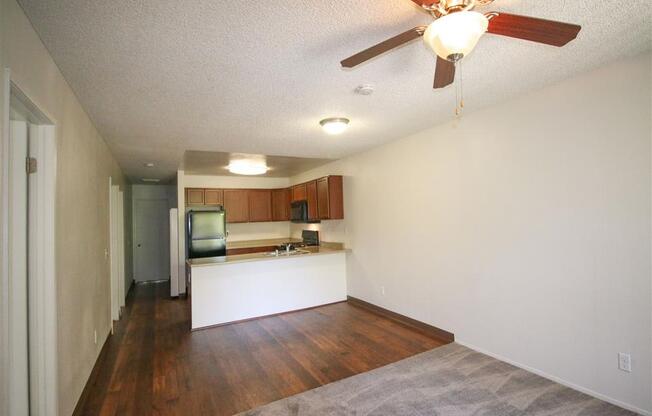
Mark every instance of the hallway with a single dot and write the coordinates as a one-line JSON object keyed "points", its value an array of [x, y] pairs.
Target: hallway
{"points": [[154, 365]]}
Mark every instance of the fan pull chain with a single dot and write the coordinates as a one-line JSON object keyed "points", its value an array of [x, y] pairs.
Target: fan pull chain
{"points": [[459, 89]]}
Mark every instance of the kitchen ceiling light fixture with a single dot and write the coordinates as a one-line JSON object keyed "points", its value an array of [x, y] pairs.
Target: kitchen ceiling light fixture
{"points": [[248, 167], [454, 35], [334, 125]]}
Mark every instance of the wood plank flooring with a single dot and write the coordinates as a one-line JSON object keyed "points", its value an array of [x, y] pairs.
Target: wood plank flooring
{"points": [[154, 365]]}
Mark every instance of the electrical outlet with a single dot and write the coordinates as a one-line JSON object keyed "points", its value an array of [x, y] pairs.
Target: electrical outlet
{"points": [[382, 290], [625, 362], [106, 254], [95, 336]]}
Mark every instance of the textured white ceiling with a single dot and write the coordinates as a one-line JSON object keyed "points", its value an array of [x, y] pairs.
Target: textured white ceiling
{"points": [[161, 77]]}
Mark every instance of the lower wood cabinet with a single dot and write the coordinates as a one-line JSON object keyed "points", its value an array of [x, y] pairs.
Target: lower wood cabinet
{"points": [[249, 250], [260, 205], [236, 205]]}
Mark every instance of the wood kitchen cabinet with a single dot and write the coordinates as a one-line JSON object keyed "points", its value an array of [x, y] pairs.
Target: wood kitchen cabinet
{"points": [[330, 201], [260, 205], [213, 197], [311, 196], [324, 197], [194, 196], [236, 205], [299, 192], [281, 204]]}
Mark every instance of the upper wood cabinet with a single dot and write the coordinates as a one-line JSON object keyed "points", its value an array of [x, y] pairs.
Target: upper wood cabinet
{"points": [[311, 196], [260, 205], [299, 192], [194, 196], [330, 201], [324, 197], [236, 205], [213, 197], [281, 204]]}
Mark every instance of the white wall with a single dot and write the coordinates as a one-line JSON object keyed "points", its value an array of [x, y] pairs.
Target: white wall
{"points": [[84, 164], [523, 228]]}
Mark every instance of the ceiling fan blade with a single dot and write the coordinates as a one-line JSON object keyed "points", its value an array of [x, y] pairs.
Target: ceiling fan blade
{"points": [[425, 2], [531, 28], [383, 47], [444, 73]]}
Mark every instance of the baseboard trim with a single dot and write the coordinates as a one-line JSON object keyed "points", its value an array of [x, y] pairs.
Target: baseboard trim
{"points": [[558, 380], [93, 376], [422, 327]]}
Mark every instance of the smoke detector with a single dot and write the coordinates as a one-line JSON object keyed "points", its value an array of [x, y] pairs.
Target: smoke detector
{"points": [[365, 89]]}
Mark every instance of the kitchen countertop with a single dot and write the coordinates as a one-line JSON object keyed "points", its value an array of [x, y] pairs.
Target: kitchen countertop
{"points": [[239, 258], [260, 243]]}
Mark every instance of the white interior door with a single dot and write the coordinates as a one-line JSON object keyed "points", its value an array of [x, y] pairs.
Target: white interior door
{"points": [[18, 324], [151, 237]]}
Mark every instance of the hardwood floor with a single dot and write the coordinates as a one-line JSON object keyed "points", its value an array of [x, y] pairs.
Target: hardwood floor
{"points": [[154, 365]]}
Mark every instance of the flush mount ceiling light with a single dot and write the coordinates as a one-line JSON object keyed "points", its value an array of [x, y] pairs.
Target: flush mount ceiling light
{"points": [[334, 125], [248, 167], [454, 36], [149, 165]]}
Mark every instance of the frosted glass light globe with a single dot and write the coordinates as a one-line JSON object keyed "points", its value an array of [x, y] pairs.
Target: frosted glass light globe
{"points": [[456, 34], [247, 167]]}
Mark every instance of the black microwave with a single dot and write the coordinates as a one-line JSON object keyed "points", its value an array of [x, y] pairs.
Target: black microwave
{"points": [[299, 211]]}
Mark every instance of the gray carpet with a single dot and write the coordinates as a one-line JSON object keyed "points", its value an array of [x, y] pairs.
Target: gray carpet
{"points": [[451, 380]]}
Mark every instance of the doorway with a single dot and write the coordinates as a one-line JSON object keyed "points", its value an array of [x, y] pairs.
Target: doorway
{"points": [[151, 205], [28, 275]]}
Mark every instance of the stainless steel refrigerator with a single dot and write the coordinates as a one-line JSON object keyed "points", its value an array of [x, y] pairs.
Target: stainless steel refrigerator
{"points": [[206, 233]]}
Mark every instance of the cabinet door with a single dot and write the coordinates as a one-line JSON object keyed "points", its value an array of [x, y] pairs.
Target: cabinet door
{"points": [[236, 205], [260, 205], [335, 198], [213, 197], [281, 204], [194, 196], [323, 201], [311, 196], [299, 192]]}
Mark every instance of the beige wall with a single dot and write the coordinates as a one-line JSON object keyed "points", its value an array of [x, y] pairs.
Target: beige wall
{"points": [[523, 228], [82, 222]]}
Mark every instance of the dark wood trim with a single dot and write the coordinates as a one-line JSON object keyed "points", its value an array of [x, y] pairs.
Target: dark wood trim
{"points": [[201, 328], [94, 376], [422, 327]]}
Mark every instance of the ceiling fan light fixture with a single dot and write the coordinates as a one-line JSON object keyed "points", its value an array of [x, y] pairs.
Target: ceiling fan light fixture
{"points": [[247, 167], [454, 35], [334, 125]]}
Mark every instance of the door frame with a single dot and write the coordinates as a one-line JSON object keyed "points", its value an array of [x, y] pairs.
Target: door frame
{"points": [[42, 273], [116, 250]]}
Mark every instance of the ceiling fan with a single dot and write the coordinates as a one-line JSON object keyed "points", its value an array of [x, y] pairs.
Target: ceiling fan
{"points": [[457, 29]]}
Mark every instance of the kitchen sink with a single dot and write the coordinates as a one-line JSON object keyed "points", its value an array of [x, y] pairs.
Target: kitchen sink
{"points": [[281, 253]]}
